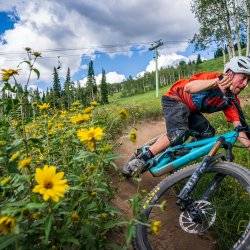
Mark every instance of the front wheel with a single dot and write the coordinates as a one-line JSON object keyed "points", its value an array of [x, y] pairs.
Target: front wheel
{"points": [[225, 214]]}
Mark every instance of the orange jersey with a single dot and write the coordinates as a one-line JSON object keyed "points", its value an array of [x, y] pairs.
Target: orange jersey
{"points": [[207, 101]]}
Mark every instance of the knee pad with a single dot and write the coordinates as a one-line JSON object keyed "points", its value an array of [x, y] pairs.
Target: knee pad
{"points": [[209, 132], [178, 137]]}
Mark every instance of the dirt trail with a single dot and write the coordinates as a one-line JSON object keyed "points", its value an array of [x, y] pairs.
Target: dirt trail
{"points": [[173, 237]]}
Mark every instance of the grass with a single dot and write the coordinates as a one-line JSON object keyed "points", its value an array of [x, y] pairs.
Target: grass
{"points": [[148, 106]]}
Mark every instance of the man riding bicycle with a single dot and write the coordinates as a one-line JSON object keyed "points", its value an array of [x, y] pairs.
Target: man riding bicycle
{"points": [[184, 103]]}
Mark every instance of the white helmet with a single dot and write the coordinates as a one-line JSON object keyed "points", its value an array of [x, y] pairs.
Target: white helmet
{"points": [[238, 64]]}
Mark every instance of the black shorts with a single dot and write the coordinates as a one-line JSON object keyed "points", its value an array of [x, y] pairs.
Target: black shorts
{"points": [[181, 123]]}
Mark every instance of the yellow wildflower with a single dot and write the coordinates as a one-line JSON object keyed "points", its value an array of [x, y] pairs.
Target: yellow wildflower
{"points": [[54, 129], [94, 103], [104, 215], [88, 110], [15, 156], [58, 125], [92, 134], [7, 73], [75, 217], [77, 119], [93, 194], [43, 106], [4, 180], [35, 216], [155, 226], [63, 114], [91, 145], [92, 167], [123, 114], [24, 163], [133, 135], [14, 122], [7, 224], [50, 184]]}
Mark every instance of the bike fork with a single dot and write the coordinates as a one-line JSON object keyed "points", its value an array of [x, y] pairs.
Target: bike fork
{"points": [[183, 198], [218, 178]]}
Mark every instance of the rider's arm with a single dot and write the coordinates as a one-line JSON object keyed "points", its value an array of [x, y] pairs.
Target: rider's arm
{"points": [[242, 136], [200, 85], [232, 116]]}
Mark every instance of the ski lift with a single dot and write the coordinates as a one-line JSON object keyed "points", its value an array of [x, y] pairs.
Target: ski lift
{"points": [[59, 64]]}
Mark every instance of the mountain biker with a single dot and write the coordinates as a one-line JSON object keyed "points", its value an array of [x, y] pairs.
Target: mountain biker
{"points": [[184, 103]]}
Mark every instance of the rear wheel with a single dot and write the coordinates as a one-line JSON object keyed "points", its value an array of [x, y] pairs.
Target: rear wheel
{"points": [[223, 220]]}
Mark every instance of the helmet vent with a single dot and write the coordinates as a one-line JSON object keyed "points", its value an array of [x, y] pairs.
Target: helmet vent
{"points": [[241, 65]]}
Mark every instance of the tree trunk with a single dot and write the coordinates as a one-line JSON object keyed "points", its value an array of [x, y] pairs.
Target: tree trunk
{"points": [[229, 29], [237, 26], [229, 51], [224, 56], [248, 27]]}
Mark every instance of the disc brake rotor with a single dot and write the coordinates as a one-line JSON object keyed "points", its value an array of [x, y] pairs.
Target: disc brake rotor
{"points": [[207, 218]]}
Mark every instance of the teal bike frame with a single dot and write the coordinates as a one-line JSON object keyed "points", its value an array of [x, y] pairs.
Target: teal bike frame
{"points": [[176, 157]]}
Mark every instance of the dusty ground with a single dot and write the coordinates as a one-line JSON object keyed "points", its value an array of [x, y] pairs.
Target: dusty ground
{"points": [[171, 236]]}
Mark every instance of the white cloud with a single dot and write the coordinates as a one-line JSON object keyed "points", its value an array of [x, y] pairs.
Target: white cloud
{"points": [[84, 66], [168, 60], [111, 77], [83, 24], [140, 74], [114, 77], [83, 82]]}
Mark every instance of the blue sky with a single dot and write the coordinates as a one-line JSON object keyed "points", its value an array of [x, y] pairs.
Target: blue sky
{"points": [[86, 26], [6, 22]]}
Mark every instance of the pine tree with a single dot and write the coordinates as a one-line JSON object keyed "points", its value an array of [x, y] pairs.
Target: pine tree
{"points": [[37, 97], [104, 88], [43, 97], [198, 60], [67, 90], [91, 83], [26, 106], [57, 92]]}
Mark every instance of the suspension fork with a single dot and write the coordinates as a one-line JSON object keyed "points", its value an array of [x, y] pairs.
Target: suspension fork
{"points": [[183, 198], [218, 178]]}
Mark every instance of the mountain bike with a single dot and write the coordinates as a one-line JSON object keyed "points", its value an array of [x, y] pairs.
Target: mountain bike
{"points": [[205, 194]]}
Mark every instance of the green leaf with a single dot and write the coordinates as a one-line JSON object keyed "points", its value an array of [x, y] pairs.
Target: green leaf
{"points": [[48, 224], [37, 72], [130, 233], [71, 239], [35, 141], [7, 86], [34, 205], [6, 241], [24, 62]]}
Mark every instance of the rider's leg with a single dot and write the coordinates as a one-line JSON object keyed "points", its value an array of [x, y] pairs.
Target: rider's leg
{"points": [[200, 126], [161, 144], [176, 115]]}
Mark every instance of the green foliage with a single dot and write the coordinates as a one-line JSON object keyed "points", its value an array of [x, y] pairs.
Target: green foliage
{"points": [[81, 219], [104, 88], [57, 92], [91, 86], [198, 60], [68, 91]]}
